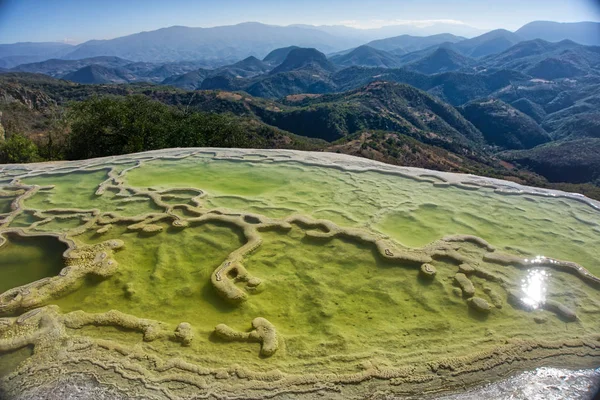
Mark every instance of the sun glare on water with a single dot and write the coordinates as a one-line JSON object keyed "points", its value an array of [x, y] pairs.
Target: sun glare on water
{"points": [[534, 288]]}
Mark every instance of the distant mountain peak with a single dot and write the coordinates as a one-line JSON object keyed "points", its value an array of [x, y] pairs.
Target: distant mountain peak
{"points": [[301, 58], [498, 32], [277, 56], [250, 61], [413, 43], [364, 49], [222, 43], [587, 32], [366, 56], [492, 42], [95, 73], [441, 59]]}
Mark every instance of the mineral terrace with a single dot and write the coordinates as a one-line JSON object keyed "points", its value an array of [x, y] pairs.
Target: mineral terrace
{"points": [[213, 273]]}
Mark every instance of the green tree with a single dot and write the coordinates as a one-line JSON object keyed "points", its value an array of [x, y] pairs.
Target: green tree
{"points": [[18, 149], [118, 125], [209, 130], [2, 132], [53, 144]]}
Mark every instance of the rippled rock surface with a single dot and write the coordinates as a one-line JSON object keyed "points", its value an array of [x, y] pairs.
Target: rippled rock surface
{"points": [[199, 273]]}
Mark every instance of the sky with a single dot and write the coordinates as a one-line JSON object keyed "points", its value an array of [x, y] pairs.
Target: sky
{"points": [[76, 21]]}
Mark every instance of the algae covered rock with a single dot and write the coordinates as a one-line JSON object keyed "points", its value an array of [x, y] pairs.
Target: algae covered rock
{"points": [[465, 284], [179, 223], [561, 310], [479, 304], [494, 297], [184, 333], [104, 229], [264, 332], [224, 280], [225, 332], [516, 299], [129, 290], [428, 271], [151, 330], [151, 228], [466, 268]]}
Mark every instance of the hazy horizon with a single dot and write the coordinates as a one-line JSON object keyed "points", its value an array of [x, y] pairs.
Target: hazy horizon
{"points": [[76, 22]]}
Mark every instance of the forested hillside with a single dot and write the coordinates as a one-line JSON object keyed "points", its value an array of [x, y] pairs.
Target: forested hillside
{"points": [[49, 119]]}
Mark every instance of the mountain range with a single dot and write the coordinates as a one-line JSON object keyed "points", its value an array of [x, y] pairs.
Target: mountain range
{"points": [[305, 66], [509, 104], [581, 32], [529, 94], [449, 75], [132, 71], [226, 44]]}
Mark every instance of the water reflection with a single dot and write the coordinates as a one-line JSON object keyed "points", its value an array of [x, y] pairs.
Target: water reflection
{"points": [[541, 384], [533, 288], [540, 260]]}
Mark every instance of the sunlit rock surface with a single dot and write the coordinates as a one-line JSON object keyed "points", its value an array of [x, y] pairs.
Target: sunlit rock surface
{"points": [[191, 273]]}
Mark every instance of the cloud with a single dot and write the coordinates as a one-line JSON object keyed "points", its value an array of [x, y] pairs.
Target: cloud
{"points": [[417, 23]]}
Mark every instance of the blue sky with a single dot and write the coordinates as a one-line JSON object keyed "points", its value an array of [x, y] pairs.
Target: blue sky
{"points": [[81, 20]]}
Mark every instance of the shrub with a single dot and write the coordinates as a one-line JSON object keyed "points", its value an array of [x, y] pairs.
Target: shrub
{"points": [[18, 149]]}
